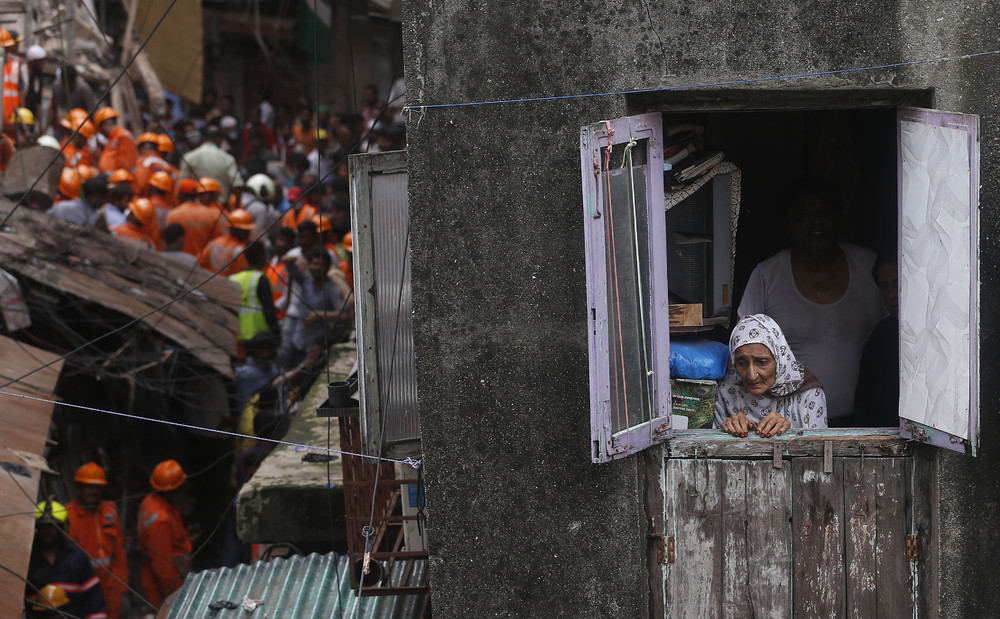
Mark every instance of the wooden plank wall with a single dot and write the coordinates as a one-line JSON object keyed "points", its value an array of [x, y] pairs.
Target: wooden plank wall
{"points": [[752, 540]]}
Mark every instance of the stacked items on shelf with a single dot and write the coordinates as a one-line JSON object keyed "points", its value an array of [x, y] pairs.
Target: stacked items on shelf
{"points": [[696, 364], [684, 156]]}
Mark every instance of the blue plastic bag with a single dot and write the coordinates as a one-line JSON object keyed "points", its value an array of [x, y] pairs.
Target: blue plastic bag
{"points": [[698, 359]]}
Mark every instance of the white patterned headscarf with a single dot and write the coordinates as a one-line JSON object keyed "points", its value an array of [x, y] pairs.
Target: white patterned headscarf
{"points": [[795, 394]]}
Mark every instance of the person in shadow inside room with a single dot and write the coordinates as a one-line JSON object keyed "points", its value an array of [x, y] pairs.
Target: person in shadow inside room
{"points": [[766, 390], [876, 401], [820, 292]]}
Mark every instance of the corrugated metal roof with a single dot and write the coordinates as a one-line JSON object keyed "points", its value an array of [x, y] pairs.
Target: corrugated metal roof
{"points": [[301, 587]]}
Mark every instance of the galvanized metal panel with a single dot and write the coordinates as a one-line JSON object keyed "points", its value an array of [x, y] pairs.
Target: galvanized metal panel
{"points": [[388, 385], [307, 587]]}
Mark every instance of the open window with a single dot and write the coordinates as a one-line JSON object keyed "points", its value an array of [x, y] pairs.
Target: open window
{"points": [[918, 170]]}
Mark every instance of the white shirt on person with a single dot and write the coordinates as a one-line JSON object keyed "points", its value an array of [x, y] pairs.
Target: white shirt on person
{"points": [[829, 338]]}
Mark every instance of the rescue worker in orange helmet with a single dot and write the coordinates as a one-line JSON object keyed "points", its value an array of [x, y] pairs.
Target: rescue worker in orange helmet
{"points": [[210, 192], [201, 223], [11, 75], [298, 212], [163, 540], [120, 151], [139, 217], [150, 162], [77, 152], [94, 525], [57, 561], [225, 253], [161, 195]]}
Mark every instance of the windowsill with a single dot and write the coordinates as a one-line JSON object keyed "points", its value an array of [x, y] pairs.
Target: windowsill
{"points": [[795, 443]]}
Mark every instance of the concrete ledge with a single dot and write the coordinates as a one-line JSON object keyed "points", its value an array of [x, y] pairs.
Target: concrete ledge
{"points": [[288, 500]]}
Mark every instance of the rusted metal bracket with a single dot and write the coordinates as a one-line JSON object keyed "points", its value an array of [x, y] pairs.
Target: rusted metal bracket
{"points": [[670, 550], [914, 548], [660, 549]]}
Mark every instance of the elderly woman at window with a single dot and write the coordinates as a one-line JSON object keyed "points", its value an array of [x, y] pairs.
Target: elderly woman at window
{"points": [[766, 390]]}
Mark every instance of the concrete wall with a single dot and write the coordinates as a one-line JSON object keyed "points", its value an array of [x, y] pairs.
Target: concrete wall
{"points": [[520, 521]]}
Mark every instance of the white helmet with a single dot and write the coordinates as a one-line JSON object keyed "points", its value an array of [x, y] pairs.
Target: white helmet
{"points": [[263, 187], [48, 140]]}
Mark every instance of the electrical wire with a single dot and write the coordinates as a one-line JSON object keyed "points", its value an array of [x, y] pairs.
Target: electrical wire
{"points": [[756, 80], [62, 613], [200, 428]]}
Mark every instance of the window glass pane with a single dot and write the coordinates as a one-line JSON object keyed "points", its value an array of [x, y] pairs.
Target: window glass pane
{"points": [[626, 237]]}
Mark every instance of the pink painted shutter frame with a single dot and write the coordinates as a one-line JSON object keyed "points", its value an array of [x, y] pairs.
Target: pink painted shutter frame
{"points": [[628, 323], [938, 174]]}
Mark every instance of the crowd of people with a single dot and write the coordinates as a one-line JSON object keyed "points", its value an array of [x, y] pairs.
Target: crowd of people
{"points": [[261, 198]]}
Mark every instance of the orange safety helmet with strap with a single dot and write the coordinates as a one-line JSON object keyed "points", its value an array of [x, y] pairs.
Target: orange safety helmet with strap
{"points": [[149, 137], [104, 114], [50, 597], [69, 183], [121, 175], [168, 475], [162, 181], [241, 219], [142, 209], [209, 185], [91, 474], [164, 144]]}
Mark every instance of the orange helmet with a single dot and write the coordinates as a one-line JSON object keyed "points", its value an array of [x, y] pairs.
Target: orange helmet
{"points": [[92, 474], [69, 183], [323, 223], [189, 186], [143, 210], [6, 40], [84, 128], [149, 136], [168, 475], [50, 596], [241, 219], [73, 118], [348, 242], [104, 114], [162, 181], [86, 172], [166, 145], [121, 175], [209, 185]]}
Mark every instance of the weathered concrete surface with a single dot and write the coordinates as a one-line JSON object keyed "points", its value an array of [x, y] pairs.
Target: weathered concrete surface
{"points": [[521, 523], [288, 500]]}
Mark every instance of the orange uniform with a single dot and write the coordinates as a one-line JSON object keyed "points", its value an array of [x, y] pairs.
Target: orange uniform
{"points": [[145, 166], [120, 151], [165, 547], [201, 225], [100, 534], [163, 204], [77, 156], [131, 232], [11, 93], [278, 275], [292, 218], [220, 251]]}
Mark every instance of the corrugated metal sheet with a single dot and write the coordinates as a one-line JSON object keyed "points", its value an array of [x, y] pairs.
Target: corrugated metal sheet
{"points": [[388, 386], [390, 222], [307, 587]]}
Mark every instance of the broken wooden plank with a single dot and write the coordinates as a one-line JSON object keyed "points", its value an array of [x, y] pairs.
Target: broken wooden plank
{"points": [[769, 539], [97, 268], [692, 514], [818, 539], [860, 541], [895, 598], [736, 585]]}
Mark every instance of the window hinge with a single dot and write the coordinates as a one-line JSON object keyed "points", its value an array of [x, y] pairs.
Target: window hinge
{"points": [[664, 552], [914, 549]]}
